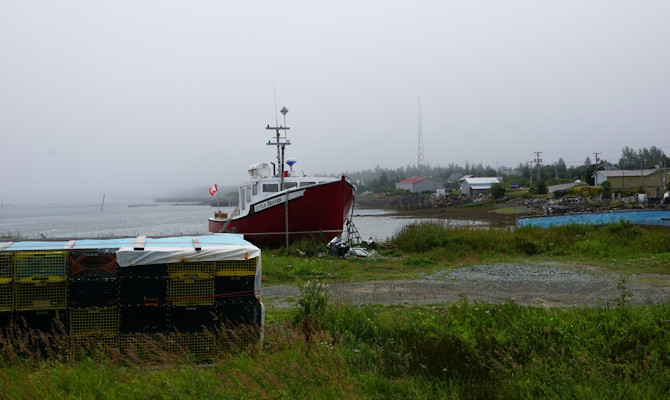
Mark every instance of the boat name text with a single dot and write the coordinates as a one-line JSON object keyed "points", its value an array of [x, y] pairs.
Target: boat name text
{"points": [[268, 203]]}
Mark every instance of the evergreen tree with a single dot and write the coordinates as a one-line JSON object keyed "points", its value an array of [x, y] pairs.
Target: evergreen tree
{"points": [[541, 188], [643, 158], [629, 159], [561, 166], [383, 182]]}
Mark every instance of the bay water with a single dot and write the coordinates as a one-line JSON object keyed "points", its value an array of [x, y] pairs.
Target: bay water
{"points": [[72, 221]]}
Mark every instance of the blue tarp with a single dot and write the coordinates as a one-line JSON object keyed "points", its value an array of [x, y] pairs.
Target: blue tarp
{"points": [[636, 217]]}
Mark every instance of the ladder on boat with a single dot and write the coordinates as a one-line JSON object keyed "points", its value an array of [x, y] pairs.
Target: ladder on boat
{"points": [[353, 236]]}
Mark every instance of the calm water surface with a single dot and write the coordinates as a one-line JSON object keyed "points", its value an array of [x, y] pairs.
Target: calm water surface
{"points": [[118, 219]]}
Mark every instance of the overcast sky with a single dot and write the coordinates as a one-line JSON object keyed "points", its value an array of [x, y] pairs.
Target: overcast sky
{"points": [[140, 98]]}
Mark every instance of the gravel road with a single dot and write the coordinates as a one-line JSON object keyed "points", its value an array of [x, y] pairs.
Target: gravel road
{"points": [[543, 285]]}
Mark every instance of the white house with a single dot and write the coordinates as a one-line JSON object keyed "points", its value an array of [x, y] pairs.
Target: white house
{"points": [[474, 186]]}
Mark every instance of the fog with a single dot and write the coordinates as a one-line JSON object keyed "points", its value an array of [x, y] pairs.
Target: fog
{"points": [[139, 99]]}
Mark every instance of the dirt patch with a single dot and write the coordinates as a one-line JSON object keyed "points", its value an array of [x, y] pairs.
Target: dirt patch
{"points": [[501, 214], [488, 214], [457, 208], [540, 285]]}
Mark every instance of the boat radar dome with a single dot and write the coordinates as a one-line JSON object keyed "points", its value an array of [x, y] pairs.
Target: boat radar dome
{"points": [[290, 163], [260, 170]]}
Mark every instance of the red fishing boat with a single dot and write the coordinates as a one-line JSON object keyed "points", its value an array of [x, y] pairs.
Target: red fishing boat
{"points": [[276, 206]]}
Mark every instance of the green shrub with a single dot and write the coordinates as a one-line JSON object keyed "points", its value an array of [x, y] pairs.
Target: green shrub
{"points": [[312, 305], [540, 188], [607, 188], [497, 191]]}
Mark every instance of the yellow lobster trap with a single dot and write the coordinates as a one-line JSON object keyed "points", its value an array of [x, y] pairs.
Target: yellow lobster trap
{"points": [[40, 264], [6, 265], [236, 267], [6, 295], [190, 284], [36, 293]]}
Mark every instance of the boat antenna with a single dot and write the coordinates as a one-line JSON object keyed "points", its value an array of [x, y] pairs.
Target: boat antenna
{"points": [[274, 88], [281, 143]]}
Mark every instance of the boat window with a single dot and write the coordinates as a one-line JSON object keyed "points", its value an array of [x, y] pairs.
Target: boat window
{"points": [[242, 199], [288, 185], [303, 184], [270, 187], [254, 189], [248, 190]]}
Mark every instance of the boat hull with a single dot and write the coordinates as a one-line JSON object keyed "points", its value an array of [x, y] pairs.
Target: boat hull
{"points": [[318, 211]]}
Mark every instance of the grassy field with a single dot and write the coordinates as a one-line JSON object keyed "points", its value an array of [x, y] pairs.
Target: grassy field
{"points": [[621, 248], [462, 350], [324, 350]]}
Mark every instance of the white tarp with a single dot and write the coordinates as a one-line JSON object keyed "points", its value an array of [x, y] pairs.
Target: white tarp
{"points": [[181, 249], [128, 256]]}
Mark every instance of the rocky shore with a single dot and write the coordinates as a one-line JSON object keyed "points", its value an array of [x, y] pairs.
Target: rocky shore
{"points": [[482, 208]]}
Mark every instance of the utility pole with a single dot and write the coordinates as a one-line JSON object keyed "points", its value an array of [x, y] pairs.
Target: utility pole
{"points": [[665, 166], [420, 161], [660, 178], [596, 170], [538, 160]]}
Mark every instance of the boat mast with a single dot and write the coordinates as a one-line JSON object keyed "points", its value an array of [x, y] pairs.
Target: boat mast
{"points": [[281, 142]]}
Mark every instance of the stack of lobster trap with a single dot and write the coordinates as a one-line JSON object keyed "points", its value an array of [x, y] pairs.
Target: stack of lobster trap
{"points": [[124, 292]]}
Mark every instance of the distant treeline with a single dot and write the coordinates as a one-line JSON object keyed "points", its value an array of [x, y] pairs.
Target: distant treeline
{"points": [[383, 179]]}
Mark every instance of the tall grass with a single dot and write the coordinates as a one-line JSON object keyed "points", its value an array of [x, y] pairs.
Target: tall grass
{"points": [[621, 240], [19, 344], [507, 351], [461, 350]]}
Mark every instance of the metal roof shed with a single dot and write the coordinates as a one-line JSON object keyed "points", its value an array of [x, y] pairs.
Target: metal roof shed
{"points": [[475, 186], [419, 184]]}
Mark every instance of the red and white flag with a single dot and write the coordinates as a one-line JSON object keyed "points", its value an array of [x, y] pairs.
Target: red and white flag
{"points": [[213, 190]]}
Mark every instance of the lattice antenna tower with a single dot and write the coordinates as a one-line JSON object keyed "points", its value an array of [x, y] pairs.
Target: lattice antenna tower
{"points": [[420, 161]]}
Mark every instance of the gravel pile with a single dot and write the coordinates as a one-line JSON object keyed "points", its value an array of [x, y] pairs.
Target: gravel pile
{"points": [[279, 291], [515, 273], [537, 285]]}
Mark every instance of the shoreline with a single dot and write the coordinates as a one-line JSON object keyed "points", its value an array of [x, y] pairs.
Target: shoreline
{"points": [[500, 215]]}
